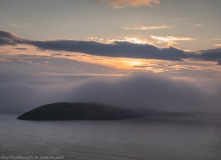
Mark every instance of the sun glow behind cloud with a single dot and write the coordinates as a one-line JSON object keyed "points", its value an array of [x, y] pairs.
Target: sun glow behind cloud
{"points": [[31, 54], [169, 40], [125, 39], [132, 40], [39, 59], [36, 55], [10, 53]]}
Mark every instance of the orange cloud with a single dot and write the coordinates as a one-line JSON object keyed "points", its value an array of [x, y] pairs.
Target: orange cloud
{"points": [[125, 39], [170, 40], [148, 27], [129, 3], [217, 45]]}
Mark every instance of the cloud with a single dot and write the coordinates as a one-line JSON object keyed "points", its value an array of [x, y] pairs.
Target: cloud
{"points": [[209, 55], [198, 25], [135, 91], [4, 59], [125, 39], [21, 48], [130, 40], [28, 25], [171, 40], [7, 38], [219, 61], [131, 3], [217, 45], [148, 27], [17, 25], [53, 63], [22, 25], [117, 48]]}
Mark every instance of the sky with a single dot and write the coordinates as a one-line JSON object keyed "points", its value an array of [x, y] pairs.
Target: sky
{"points": [[163, 54]]}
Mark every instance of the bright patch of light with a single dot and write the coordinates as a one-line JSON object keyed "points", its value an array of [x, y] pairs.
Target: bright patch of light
{"points": [[125, 39], [132, 40], [134, 63], [171, 38], [217, 45]]}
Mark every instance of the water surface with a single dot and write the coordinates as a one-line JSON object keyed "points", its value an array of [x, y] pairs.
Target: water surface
{"points": [[117, 140]]}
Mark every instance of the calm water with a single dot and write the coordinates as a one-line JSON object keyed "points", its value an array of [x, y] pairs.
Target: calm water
{"points": [[111, 140]]}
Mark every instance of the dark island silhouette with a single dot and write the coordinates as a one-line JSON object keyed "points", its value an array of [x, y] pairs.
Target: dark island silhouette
{"points": [[78, 111], [96, 111]]}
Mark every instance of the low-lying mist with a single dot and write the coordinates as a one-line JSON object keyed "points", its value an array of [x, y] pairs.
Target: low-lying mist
{"points": [[21, 92]]}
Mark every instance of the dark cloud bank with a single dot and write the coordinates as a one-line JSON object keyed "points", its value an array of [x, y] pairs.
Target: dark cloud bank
{"points": [[22, 92], [116, 49]]}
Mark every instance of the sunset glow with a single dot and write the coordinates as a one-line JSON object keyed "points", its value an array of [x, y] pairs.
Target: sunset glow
{"points": [[88, 39], [110, 79]]}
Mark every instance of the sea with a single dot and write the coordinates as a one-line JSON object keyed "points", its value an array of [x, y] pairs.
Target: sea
{"points": [[138, 139]]}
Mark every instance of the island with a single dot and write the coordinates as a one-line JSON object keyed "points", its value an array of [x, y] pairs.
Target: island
{"points": [[78, 111]]}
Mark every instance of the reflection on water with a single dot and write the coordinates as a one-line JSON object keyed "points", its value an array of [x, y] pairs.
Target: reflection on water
{"points": [[118, 140]]}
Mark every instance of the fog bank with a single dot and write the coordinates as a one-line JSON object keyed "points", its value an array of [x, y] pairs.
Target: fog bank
{"points": [[21, 92]]}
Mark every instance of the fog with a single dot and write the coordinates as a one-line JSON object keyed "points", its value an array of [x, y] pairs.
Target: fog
{"points": [[150, 91], [21, 92]]}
